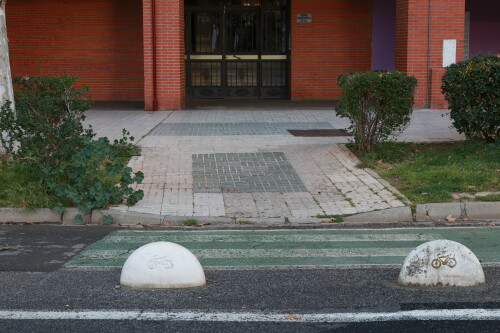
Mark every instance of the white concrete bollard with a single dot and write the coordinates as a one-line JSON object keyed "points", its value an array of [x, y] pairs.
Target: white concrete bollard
{"points": [[441, 262], [162, 265]]}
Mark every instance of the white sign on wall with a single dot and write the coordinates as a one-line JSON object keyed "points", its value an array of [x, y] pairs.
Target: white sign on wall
{"points": [[304, 18], [449, 52]]}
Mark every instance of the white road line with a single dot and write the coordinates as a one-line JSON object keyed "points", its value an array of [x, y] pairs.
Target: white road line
{"points": [[302, 253], [454, 314], [269, 253], [139, 239]]}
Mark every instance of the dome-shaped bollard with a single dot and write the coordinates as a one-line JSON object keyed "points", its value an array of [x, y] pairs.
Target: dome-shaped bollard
{"points": [[162, 265], [441, 262]]}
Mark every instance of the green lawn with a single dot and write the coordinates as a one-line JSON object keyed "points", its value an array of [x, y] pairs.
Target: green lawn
{"points": [[18, 189], [432, 172]]}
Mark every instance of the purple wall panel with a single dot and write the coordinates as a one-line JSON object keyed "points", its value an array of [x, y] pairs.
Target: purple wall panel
{"points": [[384, 35], [484, 26]]}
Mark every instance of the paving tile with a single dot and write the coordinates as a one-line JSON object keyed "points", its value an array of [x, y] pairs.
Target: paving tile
{"points": [[240, 205], [208, 204], [244, 173], [243, 163]]}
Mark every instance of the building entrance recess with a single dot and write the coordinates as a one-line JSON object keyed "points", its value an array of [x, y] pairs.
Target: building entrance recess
{"points": [[236, 48]]}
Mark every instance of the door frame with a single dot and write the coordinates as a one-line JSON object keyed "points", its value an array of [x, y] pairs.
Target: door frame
{"points": [[224, 57]]}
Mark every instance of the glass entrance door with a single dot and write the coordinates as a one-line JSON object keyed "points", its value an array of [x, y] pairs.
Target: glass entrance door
{"points": [[236, 48]]}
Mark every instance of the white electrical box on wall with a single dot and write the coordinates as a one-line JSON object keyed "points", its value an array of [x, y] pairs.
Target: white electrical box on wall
{"points": [[449, 52]]}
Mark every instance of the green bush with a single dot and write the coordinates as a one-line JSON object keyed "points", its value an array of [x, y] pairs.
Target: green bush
{"points": [[46, 138], [472, 89], [47, 124], [94, 176], [378, 104]]}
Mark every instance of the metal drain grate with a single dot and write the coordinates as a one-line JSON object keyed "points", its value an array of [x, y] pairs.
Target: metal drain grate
{"points": [[319, 132]]}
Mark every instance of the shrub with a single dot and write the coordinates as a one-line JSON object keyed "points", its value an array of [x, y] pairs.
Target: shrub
{"points": [[472, 89], [47, 124], [378, 104], [46, 138], [94, 176]]}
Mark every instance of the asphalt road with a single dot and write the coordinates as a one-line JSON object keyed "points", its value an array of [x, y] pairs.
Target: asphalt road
{"points": [[34, 282]]}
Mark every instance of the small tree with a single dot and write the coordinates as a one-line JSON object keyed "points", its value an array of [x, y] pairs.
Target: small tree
{"points": [[472, 89], [378, 104]]}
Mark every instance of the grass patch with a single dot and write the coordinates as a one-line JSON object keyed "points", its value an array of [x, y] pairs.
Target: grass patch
{"points": [[243, 222], [489, 197], [21, 190], [190, 222], [432, 172]]}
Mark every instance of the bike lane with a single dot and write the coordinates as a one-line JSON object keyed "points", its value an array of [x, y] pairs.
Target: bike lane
{"points": [[283, 248]]}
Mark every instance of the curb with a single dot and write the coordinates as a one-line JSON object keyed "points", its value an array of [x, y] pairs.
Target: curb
{"points": [[400, 214], [22, 215], [464, 211], [424, 213]]}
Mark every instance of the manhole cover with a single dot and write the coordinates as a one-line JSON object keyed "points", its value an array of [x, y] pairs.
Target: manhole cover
{"points": [[319, 132]]}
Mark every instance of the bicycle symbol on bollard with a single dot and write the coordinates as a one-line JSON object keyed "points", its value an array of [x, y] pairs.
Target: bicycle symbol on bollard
{"points": [[162, 262], [443, 260]]}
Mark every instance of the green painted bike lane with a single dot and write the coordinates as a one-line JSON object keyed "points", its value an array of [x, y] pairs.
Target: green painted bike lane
{"points": [[240, 248]]}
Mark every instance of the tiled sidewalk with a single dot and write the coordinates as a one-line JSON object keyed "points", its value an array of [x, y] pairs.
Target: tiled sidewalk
{"points": [[244, 163]]}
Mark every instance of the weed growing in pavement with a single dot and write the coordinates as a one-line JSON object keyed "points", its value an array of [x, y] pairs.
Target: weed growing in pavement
{"points": [[190, 222], [334, 218], [338, 218], [243, 222], [400, 198]]}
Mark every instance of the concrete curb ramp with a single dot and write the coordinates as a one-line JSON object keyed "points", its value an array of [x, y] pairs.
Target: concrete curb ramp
{"points": [[434, 212]]}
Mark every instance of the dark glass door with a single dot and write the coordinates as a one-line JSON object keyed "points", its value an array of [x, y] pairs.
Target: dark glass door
{"points": [[236, 48]]}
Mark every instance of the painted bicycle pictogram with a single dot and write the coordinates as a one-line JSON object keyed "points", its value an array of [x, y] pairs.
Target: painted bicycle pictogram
{"points": [[162, 262], [443, 260]]}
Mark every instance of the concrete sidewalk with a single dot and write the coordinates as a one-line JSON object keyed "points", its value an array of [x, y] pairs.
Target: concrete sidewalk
{"points": [[243, 163]]}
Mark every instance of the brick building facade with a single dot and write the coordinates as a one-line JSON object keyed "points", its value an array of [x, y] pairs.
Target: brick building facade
{"points": [[164, 51]]}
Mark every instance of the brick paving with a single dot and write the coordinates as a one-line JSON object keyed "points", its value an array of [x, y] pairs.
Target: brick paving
{"points": [[244, 163], [244, 173]]}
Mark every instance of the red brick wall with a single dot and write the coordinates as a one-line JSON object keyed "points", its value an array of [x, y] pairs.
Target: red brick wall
{"points": [[412, 47], [337, 41], [448, 19], [170, 65], [99, 39]]}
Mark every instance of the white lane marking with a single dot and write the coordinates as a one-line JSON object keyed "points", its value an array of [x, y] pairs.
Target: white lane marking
{"points": [[302, 253], [443, 314], [269, 253], [139, 239]]}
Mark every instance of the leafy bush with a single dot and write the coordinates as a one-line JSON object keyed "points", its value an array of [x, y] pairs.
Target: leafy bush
{"points": [[45, 137], [377, 104], [47, 124], [94, 176], [472, 89]]}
